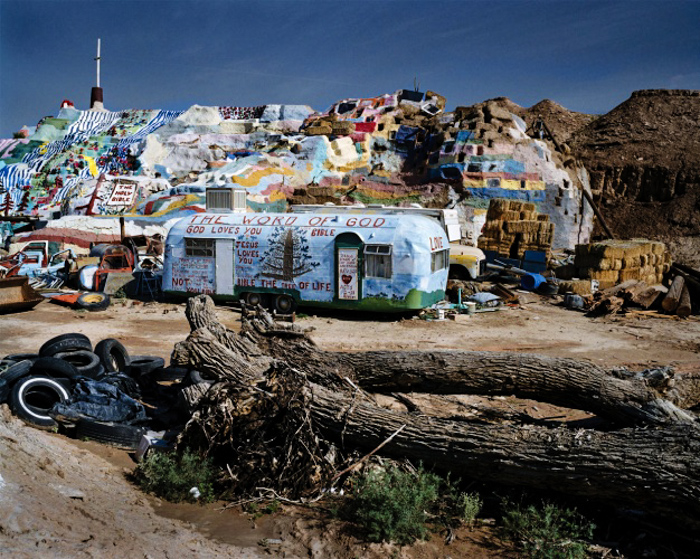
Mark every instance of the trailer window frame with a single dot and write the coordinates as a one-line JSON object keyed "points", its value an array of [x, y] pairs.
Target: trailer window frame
{"points": [[195, 247], [378, 261], [439, 260]]}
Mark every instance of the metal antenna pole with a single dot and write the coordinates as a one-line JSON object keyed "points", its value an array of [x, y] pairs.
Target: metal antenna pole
{"points": [[98, 62]]}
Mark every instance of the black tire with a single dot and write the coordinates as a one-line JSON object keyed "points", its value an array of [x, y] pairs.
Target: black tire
{"points": [[54, 367], [195, 377], [253, 299], [17, 371], [85, 362], [145, 364], [169, 373], [65, 342], [113, 355], [113, 434], [4, 391], [33, 397], [93, 301], [285, 304], [21, 356]]}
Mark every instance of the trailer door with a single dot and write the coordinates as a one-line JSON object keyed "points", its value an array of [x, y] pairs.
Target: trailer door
{"points": [[348, 267], [224, 266]]}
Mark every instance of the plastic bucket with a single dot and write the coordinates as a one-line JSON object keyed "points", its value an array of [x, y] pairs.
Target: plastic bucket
{"points": [[471, 307], [532, 281]]}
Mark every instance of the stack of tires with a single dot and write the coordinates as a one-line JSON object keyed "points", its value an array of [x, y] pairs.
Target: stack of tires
{"points": [[32, 384]]}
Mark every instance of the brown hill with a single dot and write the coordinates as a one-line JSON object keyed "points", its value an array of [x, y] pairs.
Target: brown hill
{"points": [[644, 162], [561, 121]]}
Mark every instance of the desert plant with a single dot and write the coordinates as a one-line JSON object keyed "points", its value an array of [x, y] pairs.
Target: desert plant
{"points": [[172, 476], [467, 507], [390, 504], [548, 531]]}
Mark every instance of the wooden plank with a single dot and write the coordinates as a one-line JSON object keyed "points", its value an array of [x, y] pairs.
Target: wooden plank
{"points": [[673, 297]]}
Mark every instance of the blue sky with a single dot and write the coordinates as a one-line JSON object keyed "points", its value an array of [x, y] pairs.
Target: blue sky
{"points": [[584, 54]]}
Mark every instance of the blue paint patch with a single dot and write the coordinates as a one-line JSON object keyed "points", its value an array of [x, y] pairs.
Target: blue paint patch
{"points": [[525, 195]]}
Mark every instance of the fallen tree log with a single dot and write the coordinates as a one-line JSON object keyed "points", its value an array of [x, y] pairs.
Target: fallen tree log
{"points": [[285, 424], [656, 470]]}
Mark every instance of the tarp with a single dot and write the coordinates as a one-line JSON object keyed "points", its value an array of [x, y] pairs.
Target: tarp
{"points": [[104, 400]]}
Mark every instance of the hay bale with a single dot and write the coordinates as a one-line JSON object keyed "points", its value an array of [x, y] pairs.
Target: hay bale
{"points": [[631, 273], [604, 275], [579, 287], [511, 215], [542, 217]]}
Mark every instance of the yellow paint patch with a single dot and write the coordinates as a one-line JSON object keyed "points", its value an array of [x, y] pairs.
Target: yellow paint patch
{"points": [[253, 179], [91, 165]]}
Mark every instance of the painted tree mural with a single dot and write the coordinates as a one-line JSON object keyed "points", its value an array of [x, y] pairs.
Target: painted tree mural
{"points": [[288, 255]]}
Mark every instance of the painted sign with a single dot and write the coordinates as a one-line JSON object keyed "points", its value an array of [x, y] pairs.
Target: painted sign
{"points": [[347, 274], [122, 195], [194, 274]]}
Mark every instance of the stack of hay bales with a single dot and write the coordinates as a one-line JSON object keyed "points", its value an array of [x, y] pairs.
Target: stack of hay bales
{"points": [[514, 226], [613, 262]]}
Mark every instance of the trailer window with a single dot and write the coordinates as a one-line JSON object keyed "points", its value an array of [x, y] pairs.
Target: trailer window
{"points": [[378, 261], [440, 260], [200, 247]]}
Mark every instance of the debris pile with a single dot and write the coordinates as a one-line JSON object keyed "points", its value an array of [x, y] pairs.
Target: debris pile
{"points": [[513, 227], [99, 392], [613, 262]]}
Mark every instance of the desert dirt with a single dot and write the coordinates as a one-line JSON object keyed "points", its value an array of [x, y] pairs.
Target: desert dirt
{"points": [[65, 498]]}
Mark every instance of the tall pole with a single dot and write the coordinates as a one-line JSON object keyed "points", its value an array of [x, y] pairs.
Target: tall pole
{"points": [[96, 96], [98, 62]]}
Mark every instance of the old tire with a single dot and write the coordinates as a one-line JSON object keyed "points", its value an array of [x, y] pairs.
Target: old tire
{"points": [[54, 367], [195, 377], [93, 301], [85, 362], [113, 355], [33, 397], [169, 373], [21, 356], [4, 391], [17, 371], [113, 434], [65, 342], [145, 364], [285, 304]]}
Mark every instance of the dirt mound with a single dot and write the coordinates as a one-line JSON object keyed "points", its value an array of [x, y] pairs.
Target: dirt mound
{"points": [[644, 163], [561, 121], [653, 128]]}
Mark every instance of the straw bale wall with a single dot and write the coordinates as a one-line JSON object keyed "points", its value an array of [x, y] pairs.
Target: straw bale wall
{"points": [[612, 262], [514, 226]]}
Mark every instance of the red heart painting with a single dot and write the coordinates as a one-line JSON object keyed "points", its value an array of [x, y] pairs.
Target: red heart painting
{"points": [[346, 279]]}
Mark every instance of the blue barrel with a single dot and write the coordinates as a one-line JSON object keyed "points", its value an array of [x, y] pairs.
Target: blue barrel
{"points": [[531, 281]]}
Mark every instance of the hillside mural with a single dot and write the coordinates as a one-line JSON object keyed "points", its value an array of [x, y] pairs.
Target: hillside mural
{"points": [[396, 149]]}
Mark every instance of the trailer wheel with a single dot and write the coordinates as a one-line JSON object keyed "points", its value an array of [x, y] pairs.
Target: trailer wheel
{"points": [[285, 304], [253, 299]]}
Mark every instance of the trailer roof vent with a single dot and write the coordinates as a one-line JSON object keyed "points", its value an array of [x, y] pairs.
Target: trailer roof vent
{"points": [[225, 200]]}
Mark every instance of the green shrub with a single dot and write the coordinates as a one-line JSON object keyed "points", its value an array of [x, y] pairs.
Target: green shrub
{"points": [[172, 476], [391, 504], [547, 532], [468, 507]]}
